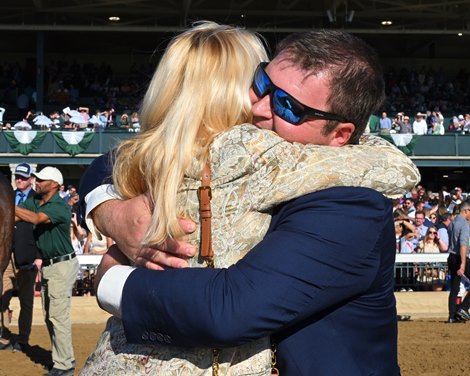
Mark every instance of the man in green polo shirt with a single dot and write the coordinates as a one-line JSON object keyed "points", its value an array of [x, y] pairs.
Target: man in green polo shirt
{"points": [[51, 218]]}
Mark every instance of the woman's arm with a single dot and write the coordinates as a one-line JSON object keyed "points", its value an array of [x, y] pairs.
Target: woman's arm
{"points": [[281, 170], [86, 248], [77, 229]]}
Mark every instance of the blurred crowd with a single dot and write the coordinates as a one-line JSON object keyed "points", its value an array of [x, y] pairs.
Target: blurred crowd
{"points": [[423, 123], [78, 119], [112, 99], [422, 218], [422, 222], [417, 90]]}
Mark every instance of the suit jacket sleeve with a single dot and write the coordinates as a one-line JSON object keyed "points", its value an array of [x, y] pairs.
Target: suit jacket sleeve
{"points": [[323, 249], [99, 172]]}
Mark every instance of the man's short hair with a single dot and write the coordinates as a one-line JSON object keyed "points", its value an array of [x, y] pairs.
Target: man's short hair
{"points": [[465, 205], [445, 216], [357, 84], [420, 212]]}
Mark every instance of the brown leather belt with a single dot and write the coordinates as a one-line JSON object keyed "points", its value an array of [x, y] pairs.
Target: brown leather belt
{"points": [[57, 259]]}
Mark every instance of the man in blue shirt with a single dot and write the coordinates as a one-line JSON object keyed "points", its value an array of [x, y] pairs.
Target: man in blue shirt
{"points": [[385, 123], [27, 260], [459, 263]]}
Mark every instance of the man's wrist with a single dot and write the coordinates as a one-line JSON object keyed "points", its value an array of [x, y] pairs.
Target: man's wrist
{"points": [[94, 199], [109, 291]]}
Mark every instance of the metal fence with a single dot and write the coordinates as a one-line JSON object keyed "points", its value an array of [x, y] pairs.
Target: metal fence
{"points": [[421, 272], [413, 272]]}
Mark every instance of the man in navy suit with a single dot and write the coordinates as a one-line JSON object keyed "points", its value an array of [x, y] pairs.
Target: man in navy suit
{"points": [[321, 282], [27, 259]]}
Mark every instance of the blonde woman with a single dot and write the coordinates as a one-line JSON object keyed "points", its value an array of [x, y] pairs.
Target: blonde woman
{"points": [[198, 95]]}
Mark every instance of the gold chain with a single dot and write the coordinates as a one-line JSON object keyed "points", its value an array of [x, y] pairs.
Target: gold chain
{"points": [[215, 352], [274, 370], [215, 362], [209, 262]]}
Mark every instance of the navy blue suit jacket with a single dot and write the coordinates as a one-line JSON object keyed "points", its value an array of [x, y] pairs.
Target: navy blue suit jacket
{"points": [[321, 282], [99, 172]]}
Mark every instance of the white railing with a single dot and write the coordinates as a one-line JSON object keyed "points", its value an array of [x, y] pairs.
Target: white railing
{"points": [[421, 257], [89, 259]]}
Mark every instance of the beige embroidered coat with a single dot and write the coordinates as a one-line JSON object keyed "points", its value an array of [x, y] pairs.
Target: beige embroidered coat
{"points": [[253, 170]]}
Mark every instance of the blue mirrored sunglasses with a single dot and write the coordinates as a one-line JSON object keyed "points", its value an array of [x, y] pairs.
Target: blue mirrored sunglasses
{"points": [[285, 105]]}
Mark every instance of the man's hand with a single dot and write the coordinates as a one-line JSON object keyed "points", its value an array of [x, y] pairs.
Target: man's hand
{"points": [[127, 221], [171, 255]]}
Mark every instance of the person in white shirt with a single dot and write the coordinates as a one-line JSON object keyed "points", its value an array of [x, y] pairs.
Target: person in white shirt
{"points": [[419, 125]]}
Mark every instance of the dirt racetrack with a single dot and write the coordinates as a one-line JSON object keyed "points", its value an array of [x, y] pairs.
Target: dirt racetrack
{"points": [[426, 348]]}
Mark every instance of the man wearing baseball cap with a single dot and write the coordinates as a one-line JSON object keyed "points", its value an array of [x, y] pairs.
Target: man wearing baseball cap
{"points": [[27, 259], [51, 218]]}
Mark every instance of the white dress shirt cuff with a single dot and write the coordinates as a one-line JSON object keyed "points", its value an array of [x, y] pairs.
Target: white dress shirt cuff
{"points": [[111, 286], [95, 198]]}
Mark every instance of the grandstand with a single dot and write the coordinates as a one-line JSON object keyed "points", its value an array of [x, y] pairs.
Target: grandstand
{"points": [[102, 53]]}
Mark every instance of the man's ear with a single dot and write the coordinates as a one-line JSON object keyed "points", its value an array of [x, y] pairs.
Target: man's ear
{"points": [[342, 134]]}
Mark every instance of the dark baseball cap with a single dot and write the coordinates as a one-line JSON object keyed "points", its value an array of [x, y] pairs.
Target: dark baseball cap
{"points": [[24, 170]]}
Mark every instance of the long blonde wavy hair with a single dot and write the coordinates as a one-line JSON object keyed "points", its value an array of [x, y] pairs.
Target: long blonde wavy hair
{"points": [[200, 88]]}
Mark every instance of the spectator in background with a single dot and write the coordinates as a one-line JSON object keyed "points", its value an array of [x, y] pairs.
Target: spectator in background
{"points": [[56, 119], [135, 121], [2, 111], [385, 123], [95, 246], [124, 121], [454, 125], [438, 124], [431, 242], [443, 193], [432, 278], [419, 204], [458, 263], [458, 193], [430, 121], [421, 229], [68, 193], [85, 112], [109, 116], [52, 218], [397, 122], [406, 126], [466, 126], [103, 117], [62, 191], [420, 126], [403, 226], [27, 261], [408, 238], [461, 122], [73, 201], [442, 227], [409, 208], [77, 235], [405, 237]]}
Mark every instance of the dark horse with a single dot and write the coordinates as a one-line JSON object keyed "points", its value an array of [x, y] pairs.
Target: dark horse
{"points": [[7, 222]]}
